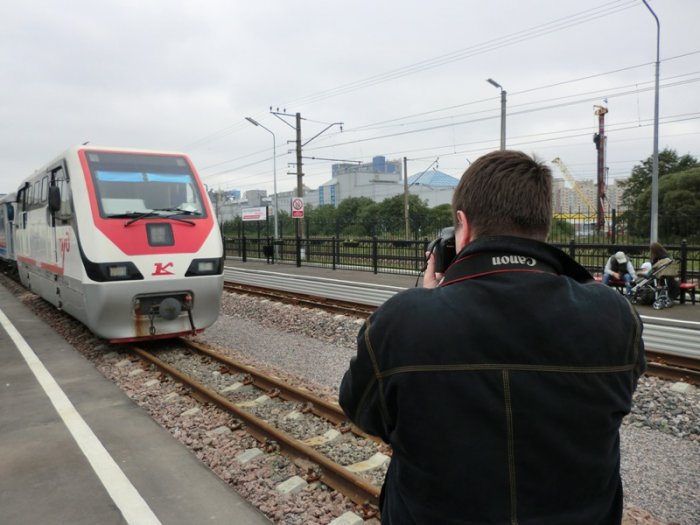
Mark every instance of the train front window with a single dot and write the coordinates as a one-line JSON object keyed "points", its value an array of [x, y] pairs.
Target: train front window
{"points": [[131, 184]]}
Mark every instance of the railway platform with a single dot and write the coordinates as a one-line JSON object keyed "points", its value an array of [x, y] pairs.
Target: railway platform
{"points": [[75, 449], [680, 312]]}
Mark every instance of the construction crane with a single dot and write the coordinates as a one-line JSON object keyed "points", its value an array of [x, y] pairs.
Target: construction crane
{"points": [[567, 175]]}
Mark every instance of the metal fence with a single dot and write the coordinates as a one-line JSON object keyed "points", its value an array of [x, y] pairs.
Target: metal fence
{"points": [[619, 229], [407, 256]]}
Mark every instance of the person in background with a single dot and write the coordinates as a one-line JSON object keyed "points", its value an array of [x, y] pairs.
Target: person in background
{"points": [[644, 272], [657, 253], [500, 385], [620, 268], [660, 257]]}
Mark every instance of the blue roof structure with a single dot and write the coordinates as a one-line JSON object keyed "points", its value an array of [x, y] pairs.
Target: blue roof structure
{"points": [[434, 178]]}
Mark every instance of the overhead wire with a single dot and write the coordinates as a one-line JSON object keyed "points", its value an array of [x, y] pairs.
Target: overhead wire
{"points": [[557, 24], [578, 18], [512, 113], [477, 49], [475, 120], [451, 117], [379, 124], [519, 141]]}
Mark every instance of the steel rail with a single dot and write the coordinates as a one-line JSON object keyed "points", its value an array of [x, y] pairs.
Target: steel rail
{"points": [[673, 367], [334, 475], [350, 291], [320, 407], [329, 304], [673, 339], [664, 335]]}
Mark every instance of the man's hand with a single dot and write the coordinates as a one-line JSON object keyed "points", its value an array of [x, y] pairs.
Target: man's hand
{"points": [[430, 278], [615, 275]]}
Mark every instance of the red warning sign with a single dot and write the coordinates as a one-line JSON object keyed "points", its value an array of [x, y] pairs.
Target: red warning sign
{"points": [[297, 208]]}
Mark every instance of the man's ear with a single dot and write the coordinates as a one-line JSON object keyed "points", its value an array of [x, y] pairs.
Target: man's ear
{"points": [[463, 234]]}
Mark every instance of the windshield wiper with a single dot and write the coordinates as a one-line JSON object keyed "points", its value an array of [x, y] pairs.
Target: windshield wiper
{"points": [[179, 210], [155, 213]]}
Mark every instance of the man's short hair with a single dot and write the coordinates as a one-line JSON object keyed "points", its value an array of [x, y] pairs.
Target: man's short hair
{"points": [[506, 192]]}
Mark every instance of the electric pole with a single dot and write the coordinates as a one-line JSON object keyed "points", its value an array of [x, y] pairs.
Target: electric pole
{"points": [[299, 146], [599, 139], [405, 196]]}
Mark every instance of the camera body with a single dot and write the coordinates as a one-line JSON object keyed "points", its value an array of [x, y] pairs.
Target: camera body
{"points": [[444, 249]]}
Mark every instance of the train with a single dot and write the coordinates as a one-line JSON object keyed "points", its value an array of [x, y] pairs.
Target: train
{"points": [[123, 240]]}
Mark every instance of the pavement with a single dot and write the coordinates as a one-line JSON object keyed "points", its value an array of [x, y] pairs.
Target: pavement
{"points": [[74, 449]]}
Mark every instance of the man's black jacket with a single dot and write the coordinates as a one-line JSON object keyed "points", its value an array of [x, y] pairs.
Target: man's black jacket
{"points": [[501, 391]]}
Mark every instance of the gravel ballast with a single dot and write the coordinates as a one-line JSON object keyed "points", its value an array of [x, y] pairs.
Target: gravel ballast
{"points": [[660, 439]]}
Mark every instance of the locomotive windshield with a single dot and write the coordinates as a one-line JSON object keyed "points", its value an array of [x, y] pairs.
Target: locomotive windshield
{"points": [[135, 184]]}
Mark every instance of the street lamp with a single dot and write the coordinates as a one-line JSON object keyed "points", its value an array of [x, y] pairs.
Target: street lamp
{"points": [[654, 228], [503, 111], [274, 170]]}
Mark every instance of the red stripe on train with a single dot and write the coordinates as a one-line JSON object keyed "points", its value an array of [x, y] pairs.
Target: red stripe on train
{"points": [[53, 268]]}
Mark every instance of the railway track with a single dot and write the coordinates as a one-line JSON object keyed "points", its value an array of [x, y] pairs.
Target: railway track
{"points": [[672, 367], [314, 301], [344, 478], [673, 346]]}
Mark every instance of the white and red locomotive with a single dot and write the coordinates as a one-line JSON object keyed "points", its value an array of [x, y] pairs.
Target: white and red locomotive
{"points": [[123, 240]]}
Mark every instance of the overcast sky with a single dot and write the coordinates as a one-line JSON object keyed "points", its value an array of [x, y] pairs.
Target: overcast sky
{"points": [[407, 79]]}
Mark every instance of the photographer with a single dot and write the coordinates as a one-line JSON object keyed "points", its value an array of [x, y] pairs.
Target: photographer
{"points": [[501, 387]]}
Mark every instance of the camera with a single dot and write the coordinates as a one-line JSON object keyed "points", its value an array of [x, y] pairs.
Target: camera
{"points": [[444, 249]]}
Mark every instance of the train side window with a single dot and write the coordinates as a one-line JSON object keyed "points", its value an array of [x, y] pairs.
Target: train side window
{"points": [[60, 180], [36, 194], [22, 207], [44, 189]]}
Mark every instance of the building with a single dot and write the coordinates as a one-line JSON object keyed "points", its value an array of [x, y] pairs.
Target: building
{"points": [[376, 180], [381, 179], [227, 207], [584, 201]]}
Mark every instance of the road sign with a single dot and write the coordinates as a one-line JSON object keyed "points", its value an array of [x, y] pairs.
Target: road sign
{"points": [[297, 208], [254, 214]]}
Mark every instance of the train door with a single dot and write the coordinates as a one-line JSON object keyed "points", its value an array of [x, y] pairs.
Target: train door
{"points": [[10, 230], [69, 291], [29, 223], [21, 222], [41, 242], [42, 231], [61, 211]]}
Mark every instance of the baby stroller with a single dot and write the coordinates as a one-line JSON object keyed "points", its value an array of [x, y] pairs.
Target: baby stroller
{"points": [[657, 287]]}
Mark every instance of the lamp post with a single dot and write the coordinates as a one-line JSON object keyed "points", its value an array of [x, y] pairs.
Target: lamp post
{"points": [[274, 170], [503, 111], [654, 228]]}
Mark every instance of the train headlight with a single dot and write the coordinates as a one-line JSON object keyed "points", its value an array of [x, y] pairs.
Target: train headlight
{"points": [[205, 267], [118, 272], [112, 271]]}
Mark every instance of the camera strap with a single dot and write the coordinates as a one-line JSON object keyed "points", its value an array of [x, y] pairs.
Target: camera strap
{"points": [[488, 263]]}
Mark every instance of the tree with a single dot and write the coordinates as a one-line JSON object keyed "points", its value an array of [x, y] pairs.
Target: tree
{"points": [[438, 217], [561, 230], [679, 207], [640, 178], [349, 212], [321, 220], [392, 213]]}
